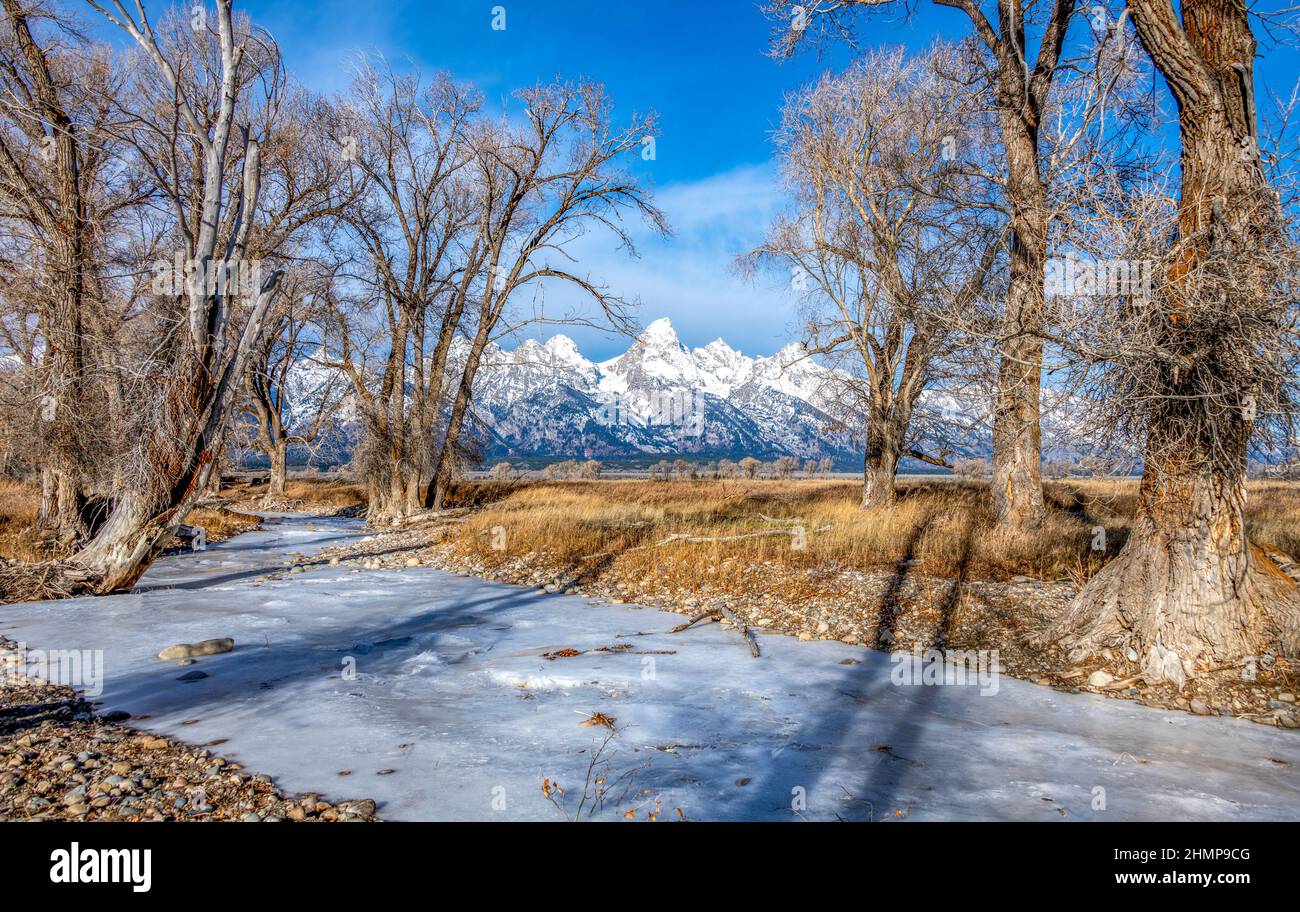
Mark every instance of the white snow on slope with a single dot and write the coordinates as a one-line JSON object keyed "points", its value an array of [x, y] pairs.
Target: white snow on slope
{"points": [[454, 695]]}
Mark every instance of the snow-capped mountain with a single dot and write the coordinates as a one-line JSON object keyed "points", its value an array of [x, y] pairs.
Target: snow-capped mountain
{"points": [[658, 397]]}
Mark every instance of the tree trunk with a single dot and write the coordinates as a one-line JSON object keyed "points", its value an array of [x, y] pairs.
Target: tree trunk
{"points": [[1187, 589], [884, 448], [72, 530], [444, 465], [180, 459], [1016, 486], [132, 537], [279, 457], [47, 512], [68, 229]]}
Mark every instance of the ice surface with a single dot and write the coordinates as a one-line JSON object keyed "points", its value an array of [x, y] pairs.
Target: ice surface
{"points": [[452, 692]]}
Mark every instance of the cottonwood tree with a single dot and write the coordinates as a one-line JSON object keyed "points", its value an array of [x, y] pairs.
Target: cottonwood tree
{"points": [[1202, 363], [206, 164], [540, 186], [415, 240], [886, 242], [1019, 79], [61, 194]]}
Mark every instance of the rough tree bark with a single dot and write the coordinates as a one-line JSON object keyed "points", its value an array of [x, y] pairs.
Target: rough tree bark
{"points": [[211, 358], [1017, 485], [881, 463], [1188, 588]]}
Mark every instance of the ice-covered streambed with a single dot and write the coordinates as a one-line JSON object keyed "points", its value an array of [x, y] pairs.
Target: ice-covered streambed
{"points": [[452, 694]]}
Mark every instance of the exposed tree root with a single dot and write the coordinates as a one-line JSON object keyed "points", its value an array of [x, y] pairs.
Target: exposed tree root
{"points": [[1183, 612], [20, 582]]}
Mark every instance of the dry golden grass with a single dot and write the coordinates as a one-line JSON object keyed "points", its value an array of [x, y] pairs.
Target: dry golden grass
{"points": [[941, 527], [221, 523], [324, 492], [18, 506], [319, 492]]}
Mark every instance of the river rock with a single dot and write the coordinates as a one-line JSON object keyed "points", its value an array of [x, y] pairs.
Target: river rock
{"points": [[1100, 679], [362, 808], [202, 648]]}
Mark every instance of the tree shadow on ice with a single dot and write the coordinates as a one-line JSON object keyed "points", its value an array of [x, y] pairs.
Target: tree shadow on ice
{"points": [[878, 711], [273, 675]]}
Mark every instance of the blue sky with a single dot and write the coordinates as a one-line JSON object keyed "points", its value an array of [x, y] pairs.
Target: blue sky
{"points": [[699, 63]]}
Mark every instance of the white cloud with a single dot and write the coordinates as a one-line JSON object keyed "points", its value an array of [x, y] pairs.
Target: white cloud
{"points": [[690, 277]]}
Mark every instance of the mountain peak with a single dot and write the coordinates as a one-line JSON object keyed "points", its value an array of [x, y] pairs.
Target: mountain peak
{"points": [[660, 331], [719, 347], [561, 346]]}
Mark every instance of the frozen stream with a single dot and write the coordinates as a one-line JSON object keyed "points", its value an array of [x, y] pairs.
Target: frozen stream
{"points": [[452, 694]]}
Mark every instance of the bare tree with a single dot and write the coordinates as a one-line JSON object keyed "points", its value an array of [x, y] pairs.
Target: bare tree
{"points": [[785, 466], [416, 242], [541, 186], [204, 349], [882, 240], [288, 410], [61, 194], [1020, 81], [1204, 361]]}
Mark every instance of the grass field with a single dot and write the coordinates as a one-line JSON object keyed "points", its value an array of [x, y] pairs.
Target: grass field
{"points": [[940, 527]]}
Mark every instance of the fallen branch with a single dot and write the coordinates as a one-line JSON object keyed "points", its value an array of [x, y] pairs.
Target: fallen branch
{"points": [[701, 539], [926, 457], [710, 614], [718, 614], [22, 582], [1127, 682], [743, 628]]}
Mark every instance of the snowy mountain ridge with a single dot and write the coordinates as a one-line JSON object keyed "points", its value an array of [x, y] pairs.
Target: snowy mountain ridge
{"points": [[657, 398], [548, 399]]}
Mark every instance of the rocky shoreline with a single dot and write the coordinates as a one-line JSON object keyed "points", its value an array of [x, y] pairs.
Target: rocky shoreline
{"points": [[62, 759]]}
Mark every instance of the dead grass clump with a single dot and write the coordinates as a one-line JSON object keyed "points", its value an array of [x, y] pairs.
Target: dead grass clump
{"points": [[221, 523], [19, 540], [328, 493]]}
